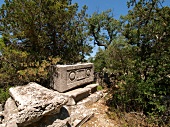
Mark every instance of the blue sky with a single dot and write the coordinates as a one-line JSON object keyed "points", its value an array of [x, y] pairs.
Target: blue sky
{"points": [[1, 2], [118, 7]]}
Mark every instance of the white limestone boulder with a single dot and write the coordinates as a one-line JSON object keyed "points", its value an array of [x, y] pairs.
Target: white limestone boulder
{"points": [[35, 101], [10, 109]]}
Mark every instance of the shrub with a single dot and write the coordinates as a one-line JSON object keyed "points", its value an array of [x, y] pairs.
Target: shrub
{"points": [[99, 87], [4, 95]]}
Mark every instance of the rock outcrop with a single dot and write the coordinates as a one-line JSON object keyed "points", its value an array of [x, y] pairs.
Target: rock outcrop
{"points": [[33, 102]]}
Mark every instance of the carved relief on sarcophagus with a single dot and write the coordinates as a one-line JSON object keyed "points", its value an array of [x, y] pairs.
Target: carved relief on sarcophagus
{"points": [[66, 77]]}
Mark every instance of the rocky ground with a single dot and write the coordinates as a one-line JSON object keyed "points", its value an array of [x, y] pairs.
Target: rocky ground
{"points": [[100, 118], [103, 118], [76, 115]]}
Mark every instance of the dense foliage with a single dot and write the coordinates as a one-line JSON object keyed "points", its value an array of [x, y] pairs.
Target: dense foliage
{"points": [[141, 58], [39, 33]]}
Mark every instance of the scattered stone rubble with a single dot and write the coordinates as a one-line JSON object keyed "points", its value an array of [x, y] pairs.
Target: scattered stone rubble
{"points": [[33, 105]]}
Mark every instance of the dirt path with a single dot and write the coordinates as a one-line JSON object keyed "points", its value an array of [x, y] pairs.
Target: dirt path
{"points": [[100, 118]]}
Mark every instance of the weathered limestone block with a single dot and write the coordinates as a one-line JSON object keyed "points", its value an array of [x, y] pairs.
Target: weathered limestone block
{"points": [[91, 99], [10, 109], [96, 96], [93, 87], [34, 102], [60, 123], [79, 114], [60, 119], [78, 94], [66, 77], [56, 123], [11, 123], [69, 116], [71, 100]]}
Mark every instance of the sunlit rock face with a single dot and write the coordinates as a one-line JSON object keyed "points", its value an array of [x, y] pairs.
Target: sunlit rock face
{"points": [[35, 101]]}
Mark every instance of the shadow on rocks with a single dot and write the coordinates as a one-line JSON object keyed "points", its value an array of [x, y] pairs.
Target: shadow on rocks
{"points": [[57, 120]]}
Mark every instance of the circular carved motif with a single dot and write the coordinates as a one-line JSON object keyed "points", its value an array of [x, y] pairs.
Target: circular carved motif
{"points": [[88, 72], [72, 75]]}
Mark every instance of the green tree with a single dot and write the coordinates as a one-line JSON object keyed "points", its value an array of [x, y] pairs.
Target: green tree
{"points": [[119, 56], [103, 28], [81, 37], [37, 34], [142, 56], [146, 29], [42, 28], [99, 60]]}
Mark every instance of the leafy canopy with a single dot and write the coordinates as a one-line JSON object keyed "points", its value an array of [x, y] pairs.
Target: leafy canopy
{"points": [[39, 33], [141, 57]]}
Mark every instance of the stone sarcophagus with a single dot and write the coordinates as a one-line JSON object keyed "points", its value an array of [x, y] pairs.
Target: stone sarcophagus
{"points": [[66, 77]]}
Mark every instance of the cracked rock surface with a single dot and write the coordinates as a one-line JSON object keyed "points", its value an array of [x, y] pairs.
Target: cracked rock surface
{"points": [[35, 101]]}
